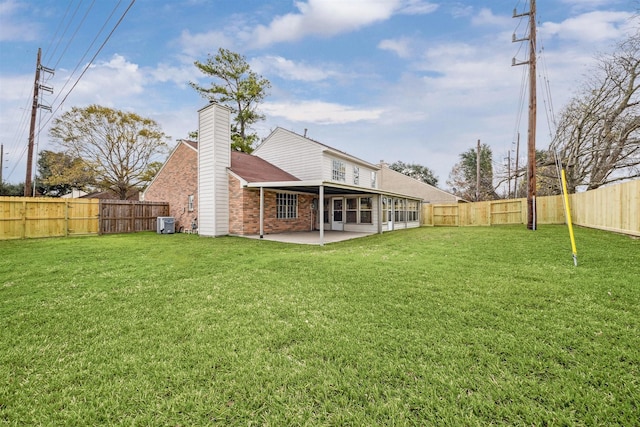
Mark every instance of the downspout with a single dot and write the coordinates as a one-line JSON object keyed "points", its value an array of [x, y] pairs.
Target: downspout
{"points": [[261, 212]]}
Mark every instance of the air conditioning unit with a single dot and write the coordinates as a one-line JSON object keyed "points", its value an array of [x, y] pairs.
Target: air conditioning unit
{"points": [[166, 225]]}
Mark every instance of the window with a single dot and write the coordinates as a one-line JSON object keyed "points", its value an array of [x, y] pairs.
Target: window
{"points": [[352, 210], [385, 210], [374, 176], [190, 203], [412, 210], [399, 208], [356, 175], [366, 206], [286, 206], [359, 210], [338, 171]]}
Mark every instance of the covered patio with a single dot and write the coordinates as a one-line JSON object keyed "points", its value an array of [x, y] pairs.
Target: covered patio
{"points": [[326, 191]]}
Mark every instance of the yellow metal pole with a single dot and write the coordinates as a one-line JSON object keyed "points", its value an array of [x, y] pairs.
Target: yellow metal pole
{"points": [[567, 211]]}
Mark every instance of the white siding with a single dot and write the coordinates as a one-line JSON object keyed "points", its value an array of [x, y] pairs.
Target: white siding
{"points": [[214, 157], [327, 170], [293, 153]]}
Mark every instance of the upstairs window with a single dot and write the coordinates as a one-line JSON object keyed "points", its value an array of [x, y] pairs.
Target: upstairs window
{"points": [[374, 177], [356, 175], [338, 172]]}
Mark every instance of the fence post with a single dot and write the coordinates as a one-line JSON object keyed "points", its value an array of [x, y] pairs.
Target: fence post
{"points": [[66, 218]]}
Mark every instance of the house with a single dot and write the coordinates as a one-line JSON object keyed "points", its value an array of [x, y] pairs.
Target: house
{"points": [[177, 183], [134, 194], [289, 183], [396, 181], [75, 194]]}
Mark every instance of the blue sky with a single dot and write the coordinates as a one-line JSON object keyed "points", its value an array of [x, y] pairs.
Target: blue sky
{"points": [[411, 80]]}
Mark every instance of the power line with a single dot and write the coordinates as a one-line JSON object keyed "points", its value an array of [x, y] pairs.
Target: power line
{"points": [[90, 62], [75, 33], [66, 28], [22, 126], [86, 52]]}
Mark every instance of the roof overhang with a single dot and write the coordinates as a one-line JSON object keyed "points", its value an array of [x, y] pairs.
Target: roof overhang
{"points": [[330, 187]]}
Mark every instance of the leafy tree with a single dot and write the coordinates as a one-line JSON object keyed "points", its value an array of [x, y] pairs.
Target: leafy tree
{"points": [[119, 146], [598, 135], [60, 173], [240, 89], [415, 171], [151, 172], [463, 175], [7, 189], [547, 178]]}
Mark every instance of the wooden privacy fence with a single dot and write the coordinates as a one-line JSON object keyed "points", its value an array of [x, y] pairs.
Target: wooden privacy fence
{"points": [[126, 216], [614, 208], [32, 217]]}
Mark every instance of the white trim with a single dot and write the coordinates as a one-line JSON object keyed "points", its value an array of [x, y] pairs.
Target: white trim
{"points": [[277, 185]]}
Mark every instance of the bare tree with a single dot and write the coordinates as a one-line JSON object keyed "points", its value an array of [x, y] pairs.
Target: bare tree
{"points": [[119, 145], [598, 136]]}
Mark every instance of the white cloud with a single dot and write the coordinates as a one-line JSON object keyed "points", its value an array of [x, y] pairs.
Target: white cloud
{"points": [[590, 27], [590, 4], [400, 47], [13, 28], [200, 44], [329, 17], [105, 83], [180, 75], [16, 88], [290, 70], [459, 11], [417, 7], [486, 17], [320, 112]]}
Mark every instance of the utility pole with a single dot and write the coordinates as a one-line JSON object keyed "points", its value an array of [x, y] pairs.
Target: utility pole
{"points": [[531, 136], [32, 128], [478, 172]]}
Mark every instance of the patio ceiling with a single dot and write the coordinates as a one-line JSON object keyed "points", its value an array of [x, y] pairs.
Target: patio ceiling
{"points": [[330, 188]]}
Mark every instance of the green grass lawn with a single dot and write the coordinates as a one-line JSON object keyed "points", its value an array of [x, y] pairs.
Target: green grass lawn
{"points": [[431, 326]]}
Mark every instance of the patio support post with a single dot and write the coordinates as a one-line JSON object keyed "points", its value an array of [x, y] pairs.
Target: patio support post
{"points": [[261, 212], [380, 214], [321, 213]]}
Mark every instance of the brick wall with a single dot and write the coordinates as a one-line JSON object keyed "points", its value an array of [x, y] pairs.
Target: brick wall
{"points": [[176, 181], [244, 211]]}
